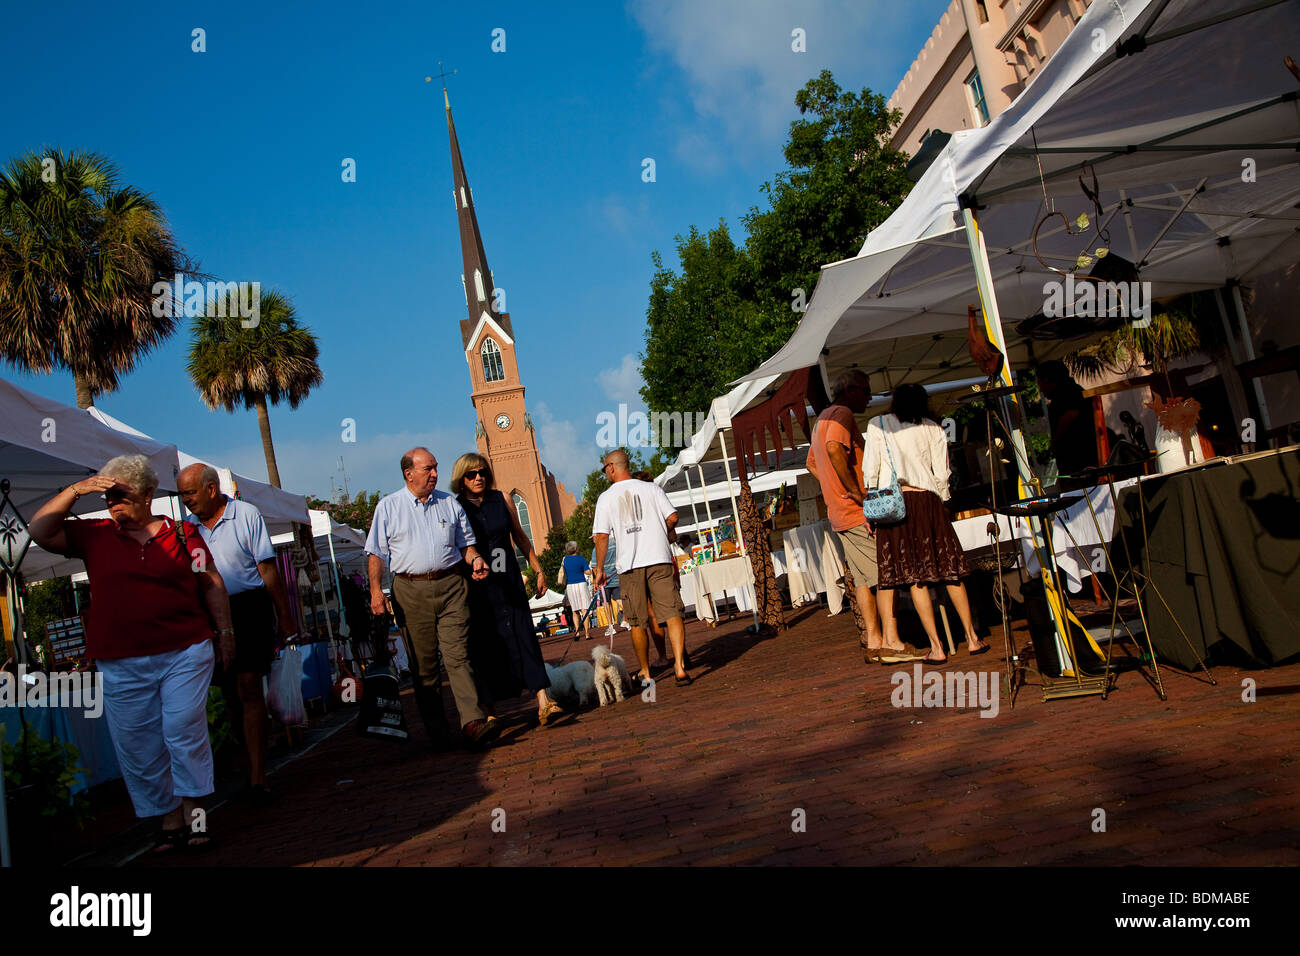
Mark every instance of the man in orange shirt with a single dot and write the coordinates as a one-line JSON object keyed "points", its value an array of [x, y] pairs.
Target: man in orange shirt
{"points": [[835, 460]]}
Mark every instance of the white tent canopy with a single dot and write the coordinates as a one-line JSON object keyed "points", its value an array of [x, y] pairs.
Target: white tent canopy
{"points": [[1192, 140], [46, 446], [347, 545], [280, 509]]}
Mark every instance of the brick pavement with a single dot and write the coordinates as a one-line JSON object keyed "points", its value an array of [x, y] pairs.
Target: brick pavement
{"points": [[713, 774]]}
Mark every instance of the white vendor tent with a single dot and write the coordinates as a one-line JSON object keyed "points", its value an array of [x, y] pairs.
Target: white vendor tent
{"points": [[1189, 119], [46, 446], [280, 509]]}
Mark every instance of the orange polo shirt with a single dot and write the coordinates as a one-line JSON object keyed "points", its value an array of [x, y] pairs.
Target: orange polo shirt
{"points": [[837, 424]]}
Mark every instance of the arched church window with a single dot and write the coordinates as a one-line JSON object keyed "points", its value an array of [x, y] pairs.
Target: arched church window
{"points": [[493, 371], [521, 507]]}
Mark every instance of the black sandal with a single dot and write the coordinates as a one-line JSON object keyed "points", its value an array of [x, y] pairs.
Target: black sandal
{"points": [[170, 841], [199, 842]]}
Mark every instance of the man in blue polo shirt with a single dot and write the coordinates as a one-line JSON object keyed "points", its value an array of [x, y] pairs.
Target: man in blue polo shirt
{"points": [[424, 537], [241, 548]]}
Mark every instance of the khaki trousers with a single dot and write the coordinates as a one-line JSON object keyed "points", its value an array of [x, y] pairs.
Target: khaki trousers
{"points": [[437, 613]]}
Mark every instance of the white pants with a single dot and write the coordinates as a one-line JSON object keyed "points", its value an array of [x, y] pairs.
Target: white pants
{"points": [[157, 714]]}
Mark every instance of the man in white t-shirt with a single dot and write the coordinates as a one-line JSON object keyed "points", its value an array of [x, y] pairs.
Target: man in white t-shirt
{"points": [[641, 519]]}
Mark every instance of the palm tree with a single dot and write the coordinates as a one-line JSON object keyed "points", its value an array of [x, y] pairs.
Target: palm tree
{"points": [[273, 359], [79, 256]]}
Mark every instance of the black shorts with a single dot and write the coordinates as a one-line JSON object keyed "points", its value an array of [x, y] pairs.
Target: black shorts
{"points": [[252, 614]]}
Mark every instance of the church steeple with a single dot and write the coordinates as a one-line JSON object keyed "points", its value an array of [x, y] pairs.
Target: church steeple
{"points": [[479, 287]]}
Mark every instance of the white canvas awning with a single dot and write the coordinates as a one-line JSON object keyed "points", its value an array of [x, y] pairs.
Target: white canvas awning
{"points": [[280, 509], [1190, 121]]}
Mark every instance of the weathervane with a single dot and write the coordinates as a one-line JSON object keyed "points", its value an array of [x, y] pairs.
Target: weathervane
{"points": [[442, 77]]}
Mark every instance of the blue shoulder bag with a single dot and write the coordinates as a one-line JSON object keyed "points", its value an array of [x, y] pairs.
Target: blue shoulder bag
{"points": [[885, 506]]}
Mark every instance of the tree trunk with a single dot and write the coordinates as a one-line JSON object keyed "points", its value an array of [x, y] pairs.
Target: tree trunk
{"points": [[85, 394], [268, 449]]}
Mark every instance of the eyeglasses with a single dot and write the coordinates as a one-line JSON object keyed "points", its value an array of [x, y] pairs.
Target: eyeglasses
{"points": [[477, 473], [115, 494]]}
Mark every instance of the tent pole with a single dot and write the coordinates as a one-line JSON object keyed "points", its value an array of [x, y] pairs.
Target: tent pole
{"points": [[731, 491], [338, 591], [695, 515], [1028, 484], [5, 860], [1231, 377], [735, 513], [1249, 346], [704, 493]]}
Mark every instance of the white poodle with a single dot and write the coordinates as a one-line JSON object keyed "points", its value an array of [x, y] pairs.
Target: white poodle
{"points": [[572, 685], [612, 679]]}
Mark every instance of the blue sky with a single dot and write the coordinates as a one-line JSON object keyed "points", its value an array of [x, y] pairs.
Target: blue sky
{"points": [[243, 146]]}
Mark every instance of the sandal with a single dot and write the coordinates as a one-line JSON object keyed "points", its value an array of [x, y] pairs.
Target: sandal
{"points": [[170, 841], [984, 647], [548, 713], [199, 842], [936, 661], [898, 655]]}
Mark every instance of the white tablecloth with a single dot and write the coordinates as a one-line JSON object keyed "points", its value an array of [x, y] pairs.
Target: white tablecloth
{"points": [[814, 562], [716, 579], [1074, 536]]}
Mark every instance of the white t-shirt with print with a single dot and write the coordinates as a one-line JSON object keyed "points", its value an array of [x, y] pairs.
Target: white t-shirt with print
{"points": [[634, 514]]}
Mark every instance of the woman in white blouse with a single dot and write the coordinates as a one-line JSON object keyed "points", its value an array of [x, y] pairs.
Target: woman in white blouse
{"points": [[923, 548]]}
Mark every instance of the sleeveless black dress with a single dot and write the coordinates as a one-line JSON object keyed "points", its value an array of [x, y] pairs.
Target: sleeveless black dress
{"points": [[503, 646]]}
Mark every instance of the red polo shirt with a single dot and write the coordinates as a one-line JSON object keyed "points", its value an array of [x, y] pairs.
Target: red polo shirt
{"points": [[144, 598]]}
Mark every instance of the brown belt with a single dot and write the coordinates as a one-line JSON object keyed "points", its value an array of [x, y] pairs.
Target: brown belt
{"points": [[431, 576]]}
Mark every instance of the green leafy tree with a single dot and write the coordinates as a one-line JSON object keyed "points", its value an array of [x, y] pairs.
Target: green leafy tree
{"points": [[696, 321], [843, 181], [271, 361], [79, 256], [731, 307], [358, 513]]}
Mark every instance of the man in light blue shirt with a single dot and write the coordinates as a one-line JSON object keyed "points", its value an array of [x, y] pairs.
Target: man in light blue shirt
{"points": [[423, 535], [236, 534]]}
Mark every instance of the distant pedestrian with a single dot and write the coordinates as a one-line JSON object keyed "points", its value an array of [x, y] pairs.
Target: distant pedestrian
{"points": [[574, 569], [423, 535], [639, 517], [154, 589], [259, 605]]}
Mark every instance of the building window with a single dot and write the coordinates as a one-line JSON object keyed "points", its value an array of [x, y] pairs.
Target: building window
{"points": [[978, 104], [492, 369], [478, 286], [981, 11], [521, 507], [464, 203]]}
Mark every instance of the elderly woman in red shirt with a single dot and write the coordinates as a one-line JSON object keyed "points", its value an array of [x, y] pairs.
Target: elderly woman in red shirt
{"points": [[155, 595]]}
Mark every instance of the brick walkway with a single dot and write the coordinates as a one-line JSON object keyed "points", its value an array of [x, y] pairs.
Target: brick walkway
{"points": [[712, 774]]}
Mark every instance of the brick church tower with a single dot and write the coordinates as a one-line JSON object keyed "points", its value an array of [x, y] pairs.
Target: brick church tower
{"points": [[504, 428]]}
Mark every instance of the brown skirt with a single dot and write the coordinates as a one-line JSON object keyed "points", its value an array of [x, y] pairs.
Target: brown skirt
{"points": [[922, 548]]}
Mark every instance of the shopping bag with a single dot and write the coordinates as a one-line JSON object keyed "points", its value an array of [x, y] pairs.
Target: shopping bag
{"points": [[381, 696], [284, 688]]}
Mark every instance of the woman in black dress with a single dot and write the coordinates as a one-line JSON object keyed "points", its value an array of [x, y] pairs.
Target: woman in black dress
{"points": [[503, 644]]}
